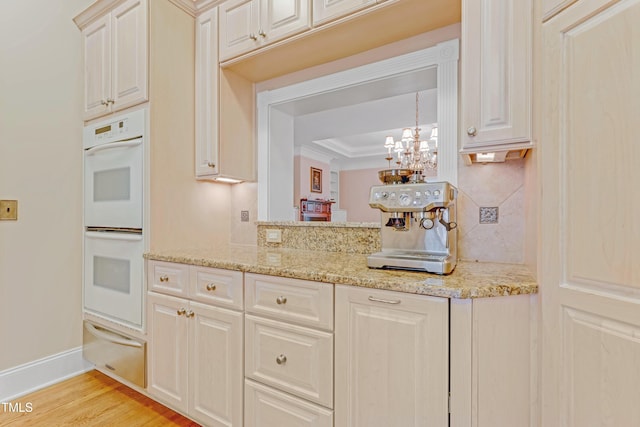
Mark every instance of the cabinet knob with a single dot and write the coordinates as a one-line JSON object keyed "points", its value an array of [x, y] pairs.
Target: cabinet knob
{"points": [[211, 287], [103, 102], [262, 33], [282, 359], [181, 311], [110, 101], [189, 313], [472, 131], [164, 278], [253, 37], [281, 300], [211, 165]]}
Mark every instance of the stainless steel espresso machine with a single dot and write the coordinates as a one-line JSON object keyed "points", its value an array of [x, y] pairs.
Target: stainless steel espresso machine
{"points": [[419, 230]]}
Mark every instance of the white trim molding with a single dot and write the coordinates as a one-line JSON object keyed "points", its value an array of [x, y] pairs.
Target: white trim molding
{"points": [[32, 376]]}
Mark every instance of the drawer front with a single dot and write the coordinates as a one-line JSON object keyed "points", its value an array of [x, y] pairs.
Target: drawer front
{"points": [[298, 301], [266, 407], [218, 287], [291, 358], [168, 278]]}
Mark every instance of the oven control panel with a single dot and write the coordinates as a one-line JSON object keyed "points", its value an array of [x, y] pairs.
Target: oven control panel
{"points": [[114, 129]]}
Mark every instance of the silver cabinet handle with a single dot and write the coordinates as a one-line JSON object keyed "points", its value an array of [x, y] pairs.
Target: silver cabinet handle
{"points": [[282, 359], [103, 102], [110, 101], [181, 311], [281, 300], [253, 37], [189, 313], [472, 131], [386, 301], [262, 33], [211, 165], [211, 287], [164, 278]]}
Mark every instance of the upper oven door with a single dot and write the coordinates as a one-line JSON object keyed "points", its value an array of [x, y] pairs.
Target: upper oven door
{"points": [[113, 185]]}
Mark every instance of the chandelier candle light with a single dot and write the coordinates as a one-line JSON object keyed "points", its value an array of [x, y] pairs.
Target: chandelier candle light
{"points": [[414, 156]]}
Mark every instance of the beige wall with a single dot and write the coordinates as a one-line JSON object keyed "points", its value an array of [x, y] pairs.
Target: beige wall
{"points": [[184, 211], [41, 167]]}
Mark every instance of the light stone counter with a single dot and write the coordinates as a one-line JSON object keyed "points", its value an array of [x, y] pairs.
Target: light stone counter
{"points": [[469, 279]]}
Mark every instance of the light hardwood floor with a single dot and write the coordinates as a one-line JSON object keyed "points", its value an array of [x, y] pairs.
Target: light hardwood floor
{"points": [[91, 399]]}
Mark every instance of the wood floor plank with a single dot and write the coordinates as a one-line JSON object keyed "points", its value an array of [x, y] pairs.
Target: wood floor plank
{"points": [[91, 399]]}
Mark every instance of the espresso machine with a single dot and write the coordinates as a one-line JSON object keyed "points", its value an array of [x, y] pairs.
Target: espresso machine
{"points": [[419, 230]]}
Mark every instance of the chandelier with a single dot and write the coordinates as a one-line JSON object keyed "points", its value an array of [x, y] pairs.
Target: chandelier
{"points": [[413, 156]]}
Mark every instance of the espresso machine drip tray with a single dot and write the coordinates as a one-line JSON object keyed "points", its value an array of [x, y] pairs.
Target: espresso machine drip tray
{"points": [[412, 260]]}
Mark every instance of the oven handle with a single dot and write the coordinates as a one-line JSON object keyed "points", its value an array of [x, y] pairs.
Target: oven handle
{"points": [[110, 336], [109, 146], [114, 236]]}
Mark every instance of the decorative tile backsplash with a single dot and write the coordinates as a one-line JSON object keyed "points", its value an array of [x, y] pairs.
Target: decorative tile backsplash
{"points": [[497, 235]]}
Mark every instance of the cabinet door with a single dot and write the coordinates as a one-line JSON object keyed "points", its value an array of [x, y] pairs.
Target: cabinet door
{"points": [[96, 40], [496, 74], [207, 93], [391, 359], [283, 18], [129, 75], [326, 10], [239, 21], [168, 348], [215, 365]]}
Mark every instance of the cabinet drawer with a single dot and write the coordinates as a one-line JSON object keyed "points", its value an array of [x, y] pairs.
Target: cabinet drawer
{"points": [[168, 278], [299, 301], [265, 406], [291, 358], [216, 286]]}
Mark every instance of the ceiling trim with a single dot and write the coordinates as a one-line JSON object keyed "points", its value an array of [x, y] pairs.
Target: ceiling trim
{"points": [[313, 154]]}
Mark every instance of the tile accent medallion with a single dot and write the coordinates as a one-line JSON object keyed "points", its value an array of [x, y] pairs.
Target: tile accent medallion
{"points": [[489, 215]]}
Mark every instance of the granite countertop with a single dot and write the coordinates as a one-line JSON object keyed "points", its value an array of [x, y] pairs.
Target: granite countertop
{"points": [[468, 280]]}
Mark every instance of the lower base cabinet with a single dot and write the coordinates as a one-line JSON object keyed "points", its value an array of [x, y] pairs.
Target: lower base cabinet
{"points": [[391, 359], [195, 359], [267, 407]]}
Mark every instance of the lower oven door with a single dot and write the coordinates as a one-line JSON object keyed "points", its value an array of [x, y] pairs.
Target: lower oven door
{"points": [[114, 352], [113, 270]]}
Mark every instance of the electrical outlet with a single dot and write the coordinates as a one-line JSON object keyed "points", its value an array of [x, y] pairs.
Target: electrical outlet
{"points": [[9, 210], [274, 235], [489, 215], [244, 216]]}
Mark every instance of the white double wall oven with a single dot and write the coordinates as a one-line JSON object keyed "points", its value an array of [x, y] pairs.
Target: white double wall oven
{"points": [[114, 240]]}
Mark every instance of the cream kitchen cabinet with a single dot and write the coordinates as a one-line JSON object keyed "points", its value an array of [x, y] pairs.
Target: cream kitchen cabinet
{"points": [[412, 360], [496, 50], [207, 94], [195, 349], [327, 10], [246, 25], [391, 359], [288, 348], [224, 142], [115, 59]]}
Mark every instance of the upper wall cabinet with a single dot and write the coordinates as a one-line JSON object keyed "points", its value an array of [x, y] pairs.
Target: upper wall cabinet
{"points": [[246, 25], [326, 10], [115, 60], [224, 146], [496, 75], [207, 94]]}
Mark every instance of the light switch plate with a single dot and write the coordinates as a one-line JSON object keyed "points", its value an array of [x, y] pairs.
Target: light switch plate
{"points": [[8, 210]]}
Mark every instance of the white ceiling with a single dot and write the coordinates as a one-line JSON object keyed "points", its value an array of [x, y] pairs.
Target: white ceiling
{"points": [[350, 125]]}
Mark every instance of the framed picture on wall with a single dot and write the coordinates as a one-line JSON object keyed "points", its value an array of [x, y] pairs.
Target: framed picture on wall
{"points": [[316, 180]]}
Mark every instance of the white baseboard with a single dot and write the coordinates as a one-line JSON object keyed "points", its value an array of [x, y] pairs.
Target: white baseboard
{"points": [[32, 376]]}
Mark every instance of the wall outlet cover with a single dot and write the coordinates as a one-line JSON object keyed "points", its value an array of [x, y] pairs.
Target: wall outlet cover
{"points": [[274, 236], [244, 216]]}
